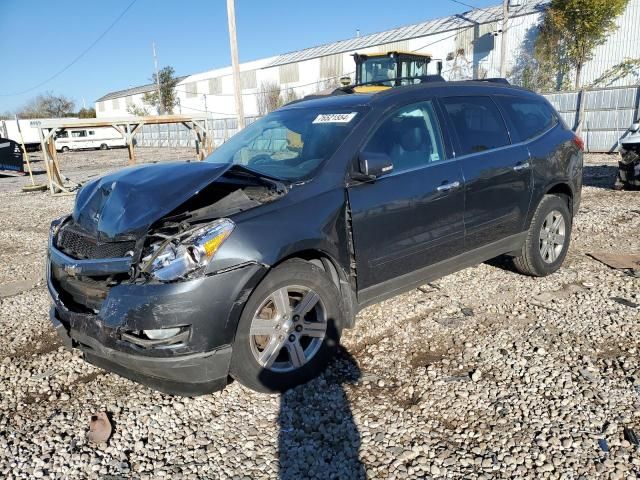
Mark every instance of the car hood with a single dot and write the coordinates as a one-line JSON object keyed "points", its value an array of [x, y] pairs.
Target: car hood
{"points": [[129, 201]]}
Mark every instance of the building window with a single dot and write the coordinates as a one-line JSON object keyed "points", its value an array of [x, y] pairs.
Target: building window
{"points": [[115, 104], [331, 66], [215, 86], [101, 106], [289, 73], [192, 89], [248, 80], [128, 100]]}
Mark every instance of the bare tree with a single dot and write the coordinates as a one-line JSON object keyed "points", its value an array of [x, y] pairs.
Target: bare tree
{"points": [[289, 95], [48, 105], [138, 110], [268, 97]]}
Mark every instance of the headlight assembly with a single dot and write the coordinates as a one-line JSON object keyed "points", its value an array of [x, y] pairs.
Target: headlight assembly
{"points": [[187, 253]]}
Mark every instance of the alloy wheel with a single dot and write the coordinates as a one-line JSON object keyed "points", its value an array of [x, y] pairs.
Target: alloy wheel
{"points": [[552, 236], [288, 328]]}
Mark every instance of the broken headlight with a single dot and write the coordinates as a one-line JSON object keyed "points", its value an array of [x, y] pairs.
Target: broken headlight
{"points": [[185, 254]]}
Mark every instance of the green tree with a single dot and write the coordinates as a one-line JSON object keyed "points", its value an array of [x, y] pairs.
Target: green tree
{"points": [[164, 102], [87, 113], [569, 34]]}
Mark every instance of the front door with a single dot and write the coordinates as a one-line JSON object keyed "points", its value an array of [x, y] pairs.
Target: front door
{"points": [[412, 217], [497, 173]]}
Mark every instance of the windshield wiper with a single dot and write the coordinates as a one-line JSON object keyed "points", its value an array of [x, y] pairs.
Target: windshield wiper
{"points": [[275, 182]]}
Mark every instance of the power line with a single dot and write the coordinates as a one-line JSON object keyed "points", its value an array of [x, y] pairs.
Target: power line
{"points": [[75, 60], [472, 6]]}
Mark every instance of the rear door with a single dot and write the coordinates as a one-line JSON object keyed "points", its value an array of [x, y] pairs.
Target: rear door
{"points": [[412, 217], [497, 172]]}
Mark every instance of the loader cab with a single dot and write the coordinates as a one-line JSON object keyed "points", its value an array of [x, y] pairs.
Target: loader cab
{"points": [[376, 72]]}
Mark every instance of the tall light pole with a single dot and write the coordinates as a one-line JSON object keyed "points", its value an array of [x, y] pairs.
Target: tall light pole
{"points": [[503, 39], [231, 16], [155, 65]]}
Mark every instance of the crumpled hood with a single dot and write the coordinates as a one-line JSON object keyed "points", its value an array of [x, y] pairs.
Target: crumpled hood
{"points": [[128, 201]]}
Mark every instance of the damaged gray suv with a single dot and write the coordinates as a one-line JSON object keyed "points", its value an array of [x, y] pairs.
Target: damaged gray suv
{"points": [[250, 264]]}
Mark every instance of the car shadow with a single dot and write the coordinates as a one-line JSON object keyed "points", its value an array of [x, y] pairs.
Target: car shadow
{"points": [[599, 176], [318, 436], [503, 262]]}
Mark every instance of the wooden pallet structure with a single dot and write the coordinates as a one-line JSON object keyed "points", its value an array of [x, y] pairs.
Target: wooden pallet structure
{"points": [[59, 184]]}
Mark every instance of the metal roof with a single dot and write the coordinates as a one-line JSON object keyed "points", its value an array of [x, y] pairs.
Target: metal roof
{"points": [[133, 91], [430, 27]]}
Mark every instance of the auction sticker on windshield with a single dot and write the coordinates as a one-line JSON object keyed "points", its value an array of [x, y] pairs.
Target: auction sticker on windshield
{"points": [[335, 117]]}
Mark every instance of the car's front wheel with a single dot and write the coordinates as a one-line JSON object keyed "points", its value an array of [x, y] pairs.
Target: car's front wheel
{"points": [[289, 329], [548, 238]]}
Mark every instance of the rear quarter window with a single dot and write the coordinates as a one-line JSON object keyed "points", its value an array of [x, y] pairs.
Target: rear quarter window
{"points": [[478, 123], [530, 117]]}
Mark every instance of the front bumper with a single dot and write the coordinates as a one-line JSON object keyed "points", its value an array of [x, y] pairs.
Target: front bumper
{"points": [[629, 165], [208, 307]]}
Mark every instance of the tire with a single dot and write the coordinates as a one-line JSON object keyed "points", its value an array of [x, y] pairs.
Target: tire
{"points": [[104, 146], [280, 371], [542, 253], [65, 149]]}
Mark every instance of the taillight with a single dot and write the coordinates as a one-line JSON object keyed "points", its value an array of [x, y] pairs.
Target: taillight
{"points": [[579, 142]]}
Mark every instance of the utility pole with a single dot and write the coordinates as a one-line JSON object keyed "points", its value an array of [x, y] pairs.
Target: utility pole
{"points": [[503, 39], [155, 64], [233, 41]]}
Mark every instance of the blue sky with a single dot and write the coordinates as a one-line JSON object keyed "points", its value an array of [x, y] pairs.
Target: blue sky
{"points": [[41, 37]]}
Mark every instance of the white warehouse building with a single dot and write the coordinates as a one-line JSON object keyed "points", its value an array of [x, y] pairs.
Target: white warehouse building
{"points": [[468, 43]]}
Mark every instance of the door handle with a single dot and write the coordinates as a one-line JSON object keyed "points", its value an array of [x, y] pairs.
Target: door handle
{"points": [[448, 186], [521, 166]]}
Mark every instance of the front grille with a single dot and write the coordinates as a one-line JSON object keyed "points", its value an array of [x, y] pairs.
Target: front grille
{"points": [[79, 245]]}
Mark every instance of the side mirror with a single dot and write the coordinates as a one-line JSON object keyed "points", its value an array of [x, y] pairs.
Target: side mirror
{"points": [[634, 127], [345, 81], [373, 165]]}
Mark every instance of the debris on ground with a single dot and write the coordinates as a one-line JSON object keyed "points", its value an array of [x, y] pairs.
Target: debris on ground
{"points": [[619, 261], [630, 436], [99, 428]]}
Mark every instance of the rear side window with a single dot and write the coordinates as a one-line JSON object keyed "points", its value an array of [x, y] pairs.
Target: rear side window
{"points": [[530, 117], [477, 122]]}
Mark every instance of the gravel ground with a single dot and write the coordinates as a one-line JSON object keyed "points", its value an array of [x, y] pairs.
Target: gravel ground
{"points": [[482, 374]]}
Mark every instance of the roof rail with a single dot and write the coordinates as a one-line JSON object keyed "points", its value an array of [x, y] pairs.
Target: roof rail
{"points": [[504, 81]]}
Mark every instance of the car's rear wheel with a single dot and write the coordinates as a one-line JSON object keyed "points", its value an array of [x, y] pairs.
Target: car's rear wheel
{"points": [[548, 238], [65, 149], [289, 329], [104, 146]]}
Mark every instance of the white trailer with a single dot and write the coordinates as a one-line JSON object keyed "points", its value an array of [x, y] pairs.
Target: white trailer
{"points": [[102, 138], [29, 128]]}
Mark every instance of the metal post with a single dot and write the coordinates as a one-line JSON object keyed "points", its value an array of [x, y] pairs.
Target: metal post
{"points": [[155, 64], [233, 41], [503, 39]]}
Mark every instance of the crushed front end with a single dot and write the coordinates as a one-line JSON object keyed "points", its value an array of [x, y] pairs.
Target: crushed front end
{"points": [[629, 163], [132, 310]]}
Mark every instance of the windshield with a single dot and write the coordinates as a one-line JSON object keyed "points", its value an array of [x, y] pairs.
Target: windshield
{"points": [[289, 144], [378, 69]]}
